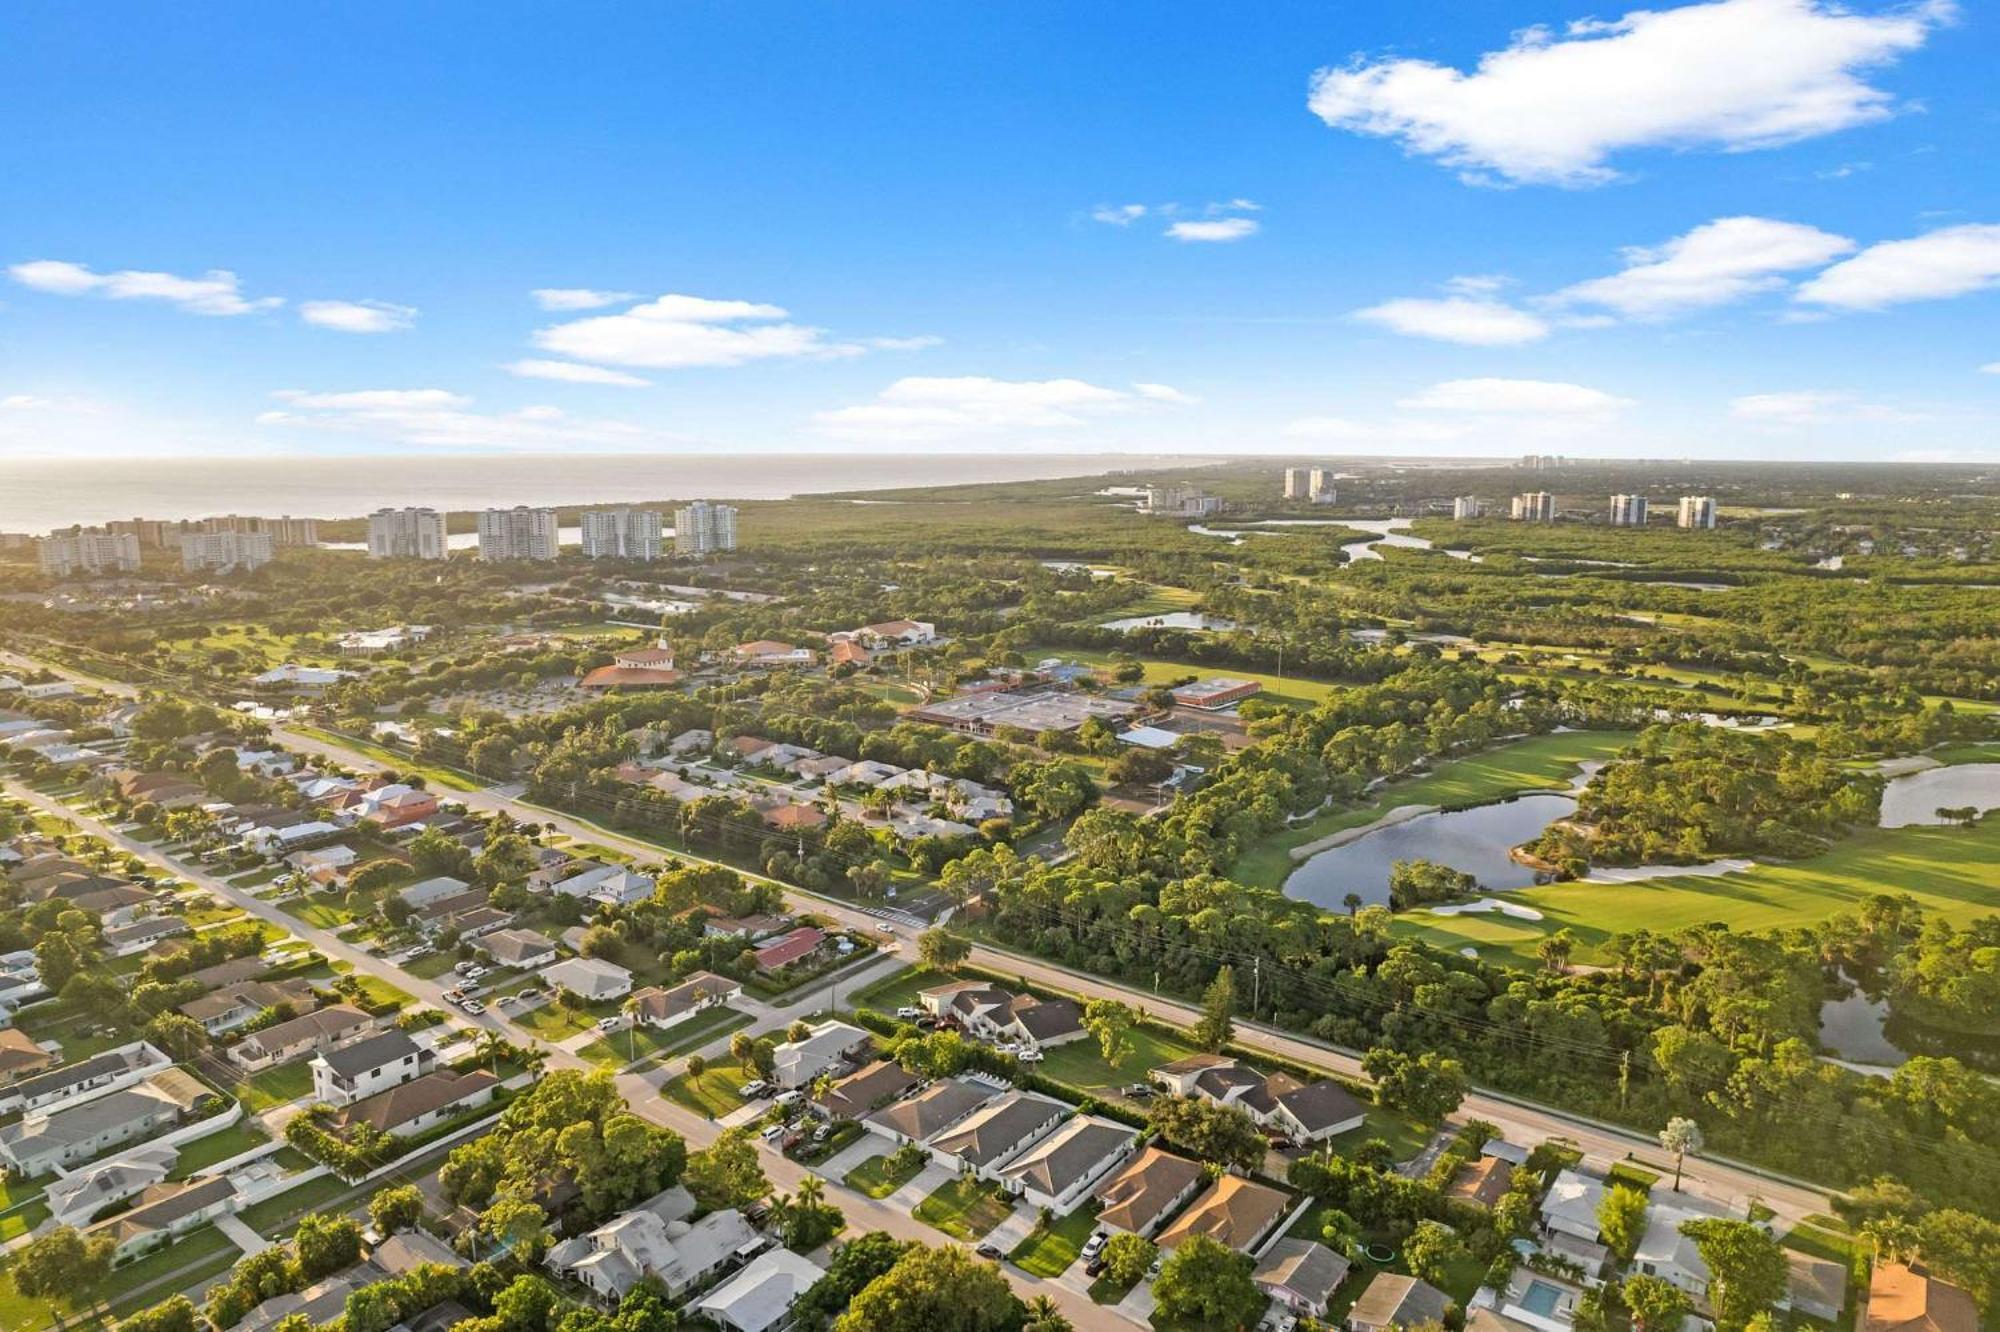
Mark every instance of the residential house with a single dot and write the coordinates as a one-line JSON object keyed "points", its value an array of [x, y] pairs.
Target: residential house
{"points": [[1147, 1191], [524, 950], [1303, 1112], [419, 896], [125, 940], [657, 1007], [1059, 1171], [866, 1089], [349, 1073], [323, 864], [760, 1297], [120, 904], [1301, 1275], [1393, 1301], [21, 1057], [42, 1141], [397, 806], [826, 1049], [591, 979], [1233, 1212], [307, 1034], [411, 1107], [164, 1213], [120, 1067], [930, 1112], [233, 972], [1666, 1253], [80, 1195], [1814, 1287], [225, 1009], [997, 1132], [1532, 1302], [790, 949], [639, 1244], [1903, 1298], [165, 790], [403, 1253], [870, 773], [744, 927], [1570, 1206], [1481, 1183], [767, 654]]}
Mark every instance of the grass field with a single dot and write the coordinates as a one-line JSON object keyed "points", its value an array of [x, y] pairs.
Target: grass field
{"points": [[274, 1214], [275, 1086], [1542, 762], [318, 910], [440, 778], [875, 1178], [1081, 1063], [964, 1209], [616, 1050], [1277, 689], [203, 1152], [1049, 1252], [203, 1250], [1950, 871], [715, 1093]]}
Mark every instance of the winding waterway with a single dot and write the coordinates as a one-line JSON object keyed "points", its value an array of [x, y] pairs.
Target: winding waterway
{"points": [[1474, 840]]}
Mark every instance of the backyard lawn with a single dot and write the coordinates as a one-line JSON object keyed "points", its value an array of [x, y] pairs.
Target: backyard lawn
{"points": [[1081, 1063], [715, 1093], [1950, 871], [274, 1214], [275, 1086], [1405, 1137], [1544, 761], [203, 1152], [1049, 1252], [617, 1049], [965, 1209], [876, 1177]]}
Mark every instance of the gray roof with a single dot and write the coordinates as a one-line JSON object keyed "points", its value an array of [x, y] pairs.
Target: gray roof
{"points": [[1303, 1267], [1320, 1104], [1072, 1152], [1399, 1301], [109, 1064], [994, 1130], [360, 1057], [933, 1110], [80, 1123]]}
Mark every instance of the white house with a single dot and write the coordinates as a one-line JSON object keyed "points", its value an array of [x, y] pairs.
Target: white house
{"points": [[420, 895], [993, 1135], [590, 978], [1570, 1207], [524, 950], [642, 1243], [421, 1103], [1059, 1171], [656, 1007], [309, 1033], [82, 1194], [611, 884], [761, 1296], [825, 1049], [352, 1072], [1666, 1253]]}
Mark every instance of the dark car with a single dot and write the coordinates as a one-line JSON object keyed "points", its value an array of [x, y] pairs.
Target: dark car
{"points": [[989, 1251]]}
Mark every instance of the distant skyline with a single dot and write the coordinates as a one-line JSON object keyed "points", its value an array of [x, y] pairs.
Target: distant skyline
{"points": [[1730, 229]]}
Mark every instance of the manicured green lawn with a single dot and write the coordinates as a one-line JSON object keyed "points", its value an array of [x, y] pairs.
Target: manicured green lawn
{"points": [[275, 1086], [202, 1251], [20, 1220], [1405, 1136], [897, 989], [615, 1050], [431, 966], [715, 1093], [875, 1178], [1277, 689], [1950, 871], [450, 779], [232, 1141], [1632, 1176], [555, 1022], [1541, 762], [1048, 1253], [274, 1214], [256, 877], [965, 1209], [1106, 1291], [1081, 1063], [318, 910]]}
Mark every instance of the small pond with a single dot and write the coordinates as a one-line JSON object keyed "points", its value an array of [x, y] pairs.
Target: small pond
{"points": [[1475, 841], [1915, 798], [1171, 620]]}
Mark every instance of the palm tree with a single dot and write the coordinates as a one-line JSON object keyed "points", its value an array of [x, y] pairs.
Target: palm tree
{"points": [[1352, 902], [630, 1008], [491, 1046], [1680, 1137]]}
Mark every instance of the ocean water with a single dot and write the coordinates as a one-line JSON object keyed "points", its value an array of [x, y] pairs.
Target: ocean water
{"points": [[39, 494]]}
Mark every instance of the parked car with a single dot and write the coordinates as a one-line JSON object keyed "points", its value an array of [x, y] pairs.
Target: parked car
{"points": [[1139, 1091], [989, 1251], [910, 1013], [465, 968], [786, 1100], [822, 1133], [754, 1088], [473, 1006], [475, 973], [775, 1133], [1094, 1245], [527, 995], [1030, 1056], [612, 1023]]}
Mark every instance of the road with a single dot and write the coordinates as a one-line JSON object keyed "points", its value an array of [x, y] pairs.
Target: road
{"points": [[1717, 1181], [640, 1089]]}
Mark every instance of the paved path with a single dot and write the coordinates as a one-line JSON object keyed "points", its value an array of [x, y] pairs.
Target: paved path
{"points": [[1010, 1232], [241, 1235], [838, 1166]]}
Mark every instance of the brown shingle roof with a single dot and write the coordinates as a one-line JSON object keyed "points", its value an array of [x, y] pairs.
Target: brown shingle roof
{"points": [[1234, 1212], [1903, 1299], [1135, 1197], [420, 1096]]}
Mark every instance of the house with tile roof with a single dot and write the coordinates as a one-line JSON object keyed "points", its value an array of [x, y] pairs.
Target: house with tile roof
{"points": [[932, 1111], [306, 1034], [80, 1195], [1903, 1297], [421, 1103], [865, 1090], [164, 1212], [1233, 1211], [1393, 1301], [1142, 1195], [665, 1007]]}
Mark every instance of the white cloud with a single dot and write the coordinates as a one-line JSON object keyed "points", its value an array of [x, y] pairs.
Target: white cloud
{"points": [[438, 418], [216, 292], [921, 342], [579, 298], [1948, 262], [675, 331], [1219, 229], [930, 408], [1714, 264], [1118, 215], [1467, 320], [1990, 368], [1540, 397], [1790, 410], [570, 372], [358, 316], [1165, 393], [39, 402], [1553, 109]]}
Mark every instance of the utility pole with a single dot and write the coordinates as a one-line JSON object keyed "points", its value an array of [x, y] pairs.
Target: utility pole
{"points": [[1256, 982]]}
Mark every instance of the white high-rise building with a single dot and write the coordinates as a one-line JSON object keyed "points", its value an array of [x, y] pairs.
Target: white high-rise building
{"points": [[702, 528], [1464, 507], [1628, 510], [621, 534], [519, 533], [242, 551], [1535, 506], [90, 550], [1319, 486], [406, 534], [1295, 483], [1697, 511]]}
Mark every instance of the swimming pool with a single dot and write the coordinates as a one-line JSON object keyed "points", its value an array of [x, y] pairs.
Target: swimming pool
{"points": [[1541, 1299]]}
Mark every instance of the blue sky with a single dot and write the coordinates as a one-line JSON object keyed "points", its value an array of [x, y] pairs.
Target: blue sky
{"points": [[1736, 228]]}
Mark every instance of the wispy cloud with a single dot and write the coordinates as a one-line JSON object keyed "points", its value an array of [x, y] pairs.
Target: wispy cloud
{"points": [[1952, 261], [1556, 109], [1214, 230], [570, 372], [440, 418], [1469, 321], [579, 298], [1714, 264], [1118, 215], [1539, 397], [679, 331], [1815, 407], [358, 316], [216, 292]]}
